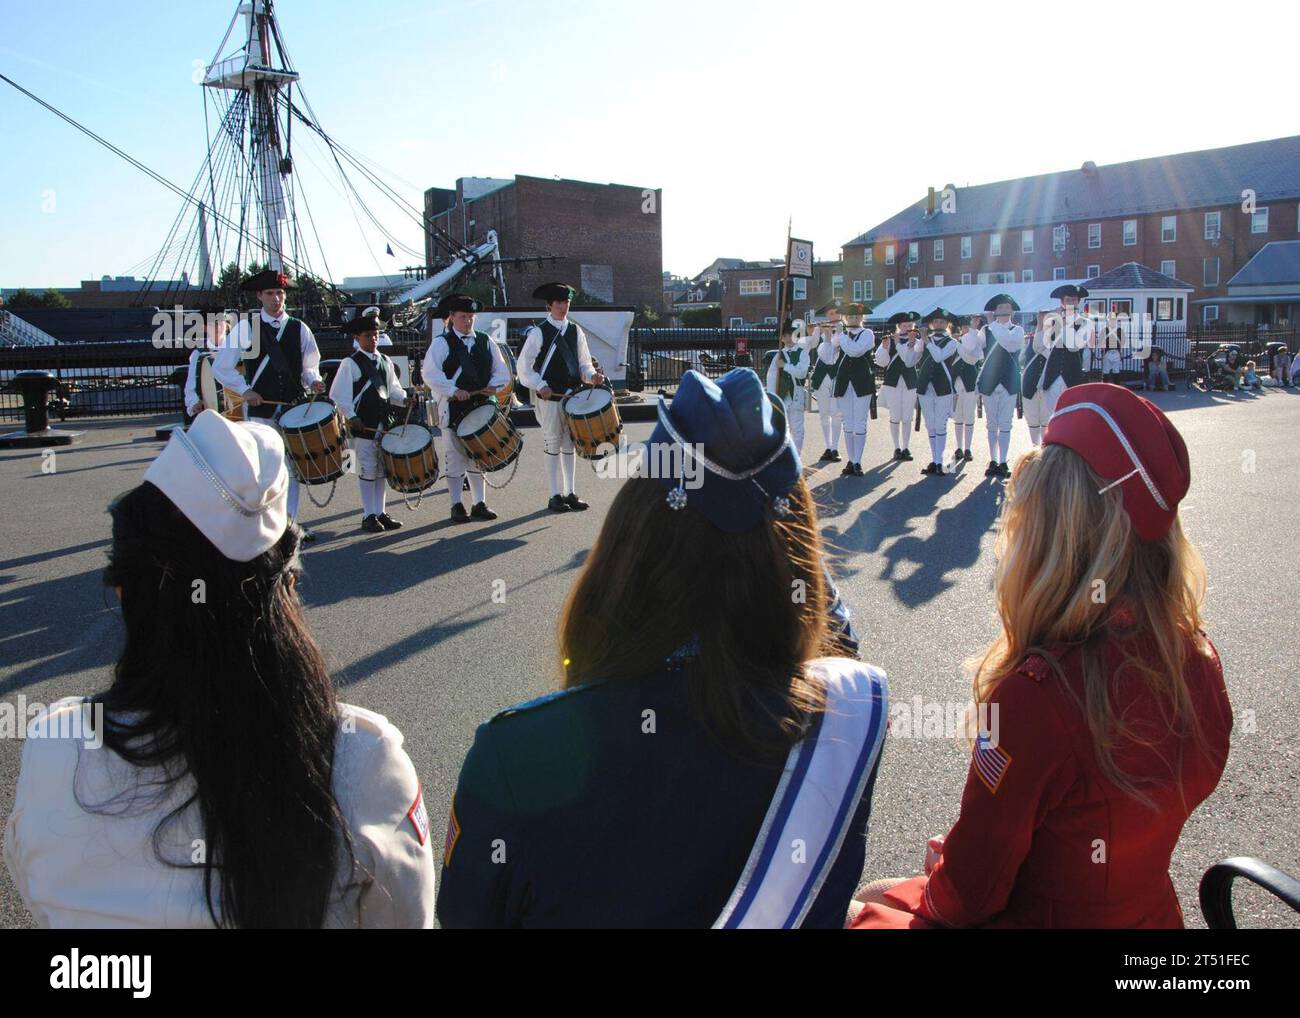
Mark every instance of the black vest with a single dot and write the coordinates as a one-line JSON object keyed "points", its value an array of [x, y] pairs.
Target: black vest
{"points": [[858, 372], [372, 407], [280, 366], [931, 372], [1000, 367], [475, 365], [896, 371], [564, 372]]}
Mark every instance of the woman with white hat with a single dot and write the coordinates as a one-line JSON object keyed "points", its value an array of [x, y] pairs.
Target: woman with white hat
{"points": [[219, 782]]}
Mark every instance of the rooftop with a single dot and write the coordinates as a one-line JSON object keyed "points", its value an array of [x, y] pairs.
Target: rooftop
{"points": [[1134, 276], [1276, 263]]}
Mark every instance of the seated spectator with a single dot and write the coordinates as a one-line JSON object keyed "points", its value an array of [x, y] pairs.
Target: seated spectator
{"points": [[1249, 377], [1157, 370], [1281, 367], [649, 791], [224, 784], [1104, 721]]}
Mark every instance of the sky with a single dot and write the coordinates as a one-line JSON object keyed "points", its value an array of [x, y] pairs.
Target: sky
{"points": [[747, 113]]}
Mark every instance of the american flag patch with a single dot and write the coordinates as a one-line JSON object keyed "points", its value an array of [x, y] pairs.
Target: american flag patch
{"points": [[453, 834], [418, 817], [990, 762]]}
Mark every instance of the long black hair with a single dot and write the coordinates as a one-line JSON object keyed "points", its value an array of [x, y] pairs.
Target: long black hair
{"points": [[220, 681]]}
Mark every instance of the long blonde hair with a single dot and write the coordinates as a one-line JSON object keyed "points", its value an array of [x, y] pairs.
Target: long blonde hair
{"points": [[1067, 553]]}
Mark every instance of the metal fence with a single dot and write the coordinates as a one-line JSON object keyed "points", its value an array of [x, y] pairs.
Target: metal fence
{"points": [[136, 378]]}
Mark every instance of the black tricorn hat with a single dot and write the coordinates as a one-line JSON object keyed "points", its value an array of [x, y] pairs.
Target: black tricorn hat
{"points": [[941, 312], [457, 302], [854, 309], [1002, 298], [788, 327], [1070, 290], [267, 280], [364, 323], [826, 309], [554, 291], [899, 317]]}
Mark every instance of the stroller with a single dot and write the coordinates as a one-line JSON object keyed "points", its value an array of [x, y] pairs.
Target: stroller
{"points": [[1219, 370]]}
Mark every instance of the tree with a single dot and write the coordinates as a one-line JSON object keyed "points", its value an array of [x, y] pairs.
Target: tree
{"points": [[646, 317], [702, 318], [27, 299]]}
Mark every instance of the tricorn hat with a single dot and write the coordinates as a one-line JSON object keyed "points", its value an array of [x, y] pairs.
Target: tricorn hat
{"points": [[554, 291], [1001, 298], [268, 279], [457, 302], [1070, 290]]}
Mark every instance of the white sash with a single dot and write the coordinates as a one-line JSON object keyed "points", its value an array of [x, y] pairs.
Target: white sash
{"points": [[823, 782]]}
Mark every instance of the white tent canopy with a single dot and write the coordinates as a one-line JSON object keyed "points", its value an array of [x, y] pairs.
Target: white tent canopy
{"points": [[971, 298]]}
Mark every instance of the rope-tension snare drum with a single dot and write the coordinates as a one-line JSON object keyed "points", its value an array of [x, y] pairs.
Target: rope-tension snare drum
{"points": [[490, 439], [410, 461], [591, 416], [313, 438]]}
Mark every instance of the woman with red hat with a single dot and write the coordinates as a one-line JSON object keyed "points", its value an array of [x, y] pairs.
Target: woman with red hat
{"points": [[1102, 717]]}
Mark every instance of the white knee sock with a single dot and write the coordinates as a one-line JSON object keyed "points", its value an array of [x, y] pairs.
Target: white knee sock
{"points": [[295, 491], [366, 499], [1004, 443], [477, 488], [940, 440], [826, 430], [1035, 435], [378, 496], [970, 435], [893, 433], [553, 471], [569, 467], [861, 440], [993, 446], [835, 433], [454, 484]]}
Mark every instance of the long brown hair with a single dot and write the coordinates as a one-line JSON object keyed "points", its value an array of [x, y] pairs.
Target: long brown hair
{"points": [[1067, 555], [755, 604]]}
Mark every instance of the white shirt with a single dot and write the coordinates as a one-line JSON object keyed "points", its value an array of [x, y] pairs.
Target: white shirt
{"points": [[445, 388], [192, 397], [797, 371], [1009, 336], [240, 341], [859, 342], [77, 869], [531, 379], [904, 349], [344, 391]]}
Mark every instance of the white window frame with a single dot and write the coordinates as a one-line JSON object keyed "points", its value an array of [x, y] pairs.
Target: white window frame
{"points": [[1168, 229], [868, 290], [1173, 268], [755, 287], [938, 281], [913, 252], [1209, 313], [868, 255], [1026, 241], [890, 254], [1255, 221], [770, 320], [799, 289], [857, 291], [1094, 230], [1133, 224], [1217, 231], [965, 279], [1094, 271], [1026, 275], [995, 245], [913, 283], [1205, 271], [967, 245], [837, 287], [890, 287], [1058, 272], [735, 322], [1058, 238], [937, 253]]}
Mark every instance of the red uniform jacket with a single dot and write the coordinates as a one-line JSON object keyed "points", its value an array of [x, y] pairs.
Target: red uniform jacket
{"points": [[1044, 839]]}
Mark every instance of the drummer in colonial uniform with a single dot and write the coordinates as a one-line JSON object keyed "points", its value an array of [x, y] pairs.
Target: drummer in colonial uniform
{"points": [[825, 345], [787, 374], [554, 360], [1057, 361], [462, 368], [366, 389], [216, 328], [282, 360], [965, 369], [898, 354], [855, 384], [999, 379], [934, 384]]}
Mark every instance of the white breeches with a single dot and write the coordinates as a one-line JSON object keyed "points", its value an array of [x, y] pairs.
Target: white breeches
{"points": [[555, 433], [964, 404], [370, 466], [900, 401], [936, 410]]}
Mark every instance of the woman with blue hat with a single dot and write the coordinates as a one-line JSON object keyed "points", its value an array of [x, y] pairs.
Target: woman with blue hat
{"points": [[710, 757]]}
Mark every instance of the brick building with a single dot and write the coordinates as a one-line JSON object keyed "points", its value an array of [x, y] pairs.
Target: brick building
{"points": [[751, 293], [607, 238], [1189, 216]]}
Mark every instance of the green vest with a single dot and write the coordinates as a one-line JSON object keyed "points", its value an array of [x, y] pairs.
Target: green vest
{"points": [[929, 373], [959, 367], [896, 370], [784, 382], [858, 372], [1000, 368], [821, 372]]}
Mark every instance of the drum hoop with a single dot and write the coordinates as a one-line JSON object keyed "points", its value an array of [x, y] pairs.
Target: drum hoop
{"points": [[307, 425]]}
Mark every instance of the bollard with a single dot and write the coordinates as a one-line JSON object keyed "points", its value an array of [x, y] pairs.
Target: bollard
{"points": [[35, 387]]}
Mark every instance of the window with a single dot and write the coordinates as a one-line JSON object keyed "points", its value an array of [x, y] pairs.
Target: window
{"points": [[1168, 229], [1167, 268], [1178, 309], [984, 277], [1164, 310], [736, 322], [938, 250], [770, 320], [1130, 232], [1058, 272], [1094, 235], [889, 288], [995, 244], [799, 290], [1094, 271], [996, 277], [755, 287], [857, 290], [837, 287], [1026, 275], [1210, 275], [1026, 241], [1212, 226], [889, 254], [1210, 313], [913, 252], [965, 241], [868, 290], [913, 283], [1259, 221], [868, 256], [965, 279], [1059, 234], [938, 280]]}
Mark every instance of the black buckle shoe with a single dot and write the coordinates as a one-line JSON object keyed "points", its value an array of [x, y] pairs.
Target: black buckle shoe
{"points": [[482, 512], [835, 455], [857, 469], [388, 523], [371, 525], [458, 514], [574, 502], [847, 471], [992, 469], [557, 504], [1004, 470], [907, 455], [826, 456]]}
